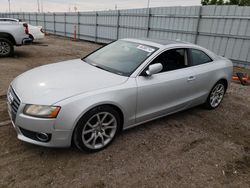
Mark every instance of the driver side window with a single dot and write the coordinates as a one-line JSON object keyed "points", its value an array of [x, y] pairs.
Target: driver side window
{"points": [[172, 59]]}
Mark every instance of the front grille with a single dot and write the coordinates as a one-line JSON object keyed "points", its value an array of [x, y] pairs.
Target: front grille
{"points": [[14, 102]]}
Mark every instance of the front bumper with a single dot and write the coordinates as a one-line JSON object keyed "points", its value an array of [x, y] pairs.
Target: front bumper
{"points": [[28, 127], [58, 138]]}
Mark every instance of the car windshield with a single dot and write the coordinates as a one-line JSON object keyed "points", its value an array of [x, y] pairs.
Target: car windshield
{"points": [[120, 57]]}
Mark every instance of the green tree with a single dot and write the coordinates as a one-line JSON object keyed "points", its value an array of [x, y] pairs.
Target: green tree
{"points": [[226, 2], [204, 2], [244, 3], [212, 2], [234, 2], [220, 2]]}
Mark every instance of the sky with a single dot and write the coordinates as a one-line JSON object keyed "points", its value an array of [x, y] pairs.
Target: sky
{"points": [[87, 5]]}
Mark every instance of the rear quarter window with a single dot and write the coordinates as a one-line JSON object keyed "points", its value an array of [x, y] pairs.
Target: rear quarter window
{"points": [[199, 57]]}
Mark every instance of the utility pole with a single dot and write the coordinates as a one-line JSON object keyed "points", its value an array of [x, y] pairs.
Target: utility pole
{"points": [[9, 5], [75, 8], [69, 8], [148, 4], [38, 6], [41, 5]]}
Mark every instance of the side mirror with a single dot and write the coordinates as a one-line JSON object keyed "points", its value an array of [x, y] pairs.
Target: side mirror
{"points": [[154, 69]]}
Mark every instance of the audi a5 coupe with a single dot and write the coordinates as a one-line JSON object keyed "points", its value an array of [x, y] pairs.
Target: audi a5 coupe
{"points": [[88, 101]]}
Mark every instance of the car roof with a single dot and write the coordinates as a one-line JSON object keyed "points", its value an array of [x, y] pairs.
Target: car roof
{"points": [[158, 42], [164, 43]]}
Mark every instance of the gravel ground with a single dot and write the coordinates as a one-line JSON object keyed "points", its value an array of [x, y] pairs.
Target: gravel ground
{"points": [[194, 148]]}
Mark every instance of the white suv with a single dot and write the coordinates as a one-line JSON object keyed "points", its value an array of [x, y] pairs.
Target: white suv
{"points": [[12, 33]]}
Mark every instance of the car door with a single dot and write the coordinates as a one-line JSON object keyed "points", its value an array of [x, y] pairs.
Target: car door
{"points": [[168, 91], [204, 71]]}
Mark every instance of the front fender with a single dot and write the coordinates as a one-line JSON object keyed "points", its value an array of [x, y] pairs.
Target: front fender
{"points": [[123, 97]]}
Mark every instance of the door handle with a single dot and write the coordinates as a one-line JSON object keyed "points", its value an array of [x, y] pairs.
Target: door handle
{"points": [[191, 78]]}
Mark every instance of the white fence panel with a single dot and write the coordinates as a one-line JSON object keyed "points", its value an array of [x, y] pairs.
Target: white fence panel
{"points": [[223, 29]]}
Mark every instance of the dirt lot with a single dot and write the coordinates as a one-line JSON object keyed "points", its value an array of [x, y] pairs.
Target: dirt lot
{"points": [[195, 148]]}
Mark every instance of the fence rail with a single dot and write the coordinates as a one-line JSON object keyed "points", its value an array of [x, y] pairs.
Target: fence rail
{"points": [[224, 30]]}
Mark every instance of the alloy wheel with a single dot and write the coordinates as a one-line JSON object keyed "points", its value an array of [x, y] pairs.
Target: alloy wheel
{"points": [[99, 130], [4, 48], [217, 95]]}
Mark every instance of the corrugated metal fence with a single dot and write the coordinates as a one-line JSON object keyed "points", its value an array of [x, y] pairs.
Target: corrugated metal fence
{"points": [[224, 30]]}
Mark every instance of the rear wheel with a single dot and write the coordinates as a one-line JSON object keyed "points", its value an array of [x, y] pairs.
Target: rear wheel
{"points": [[216, 95], [97, 129], [31, 37], [6, 48]]}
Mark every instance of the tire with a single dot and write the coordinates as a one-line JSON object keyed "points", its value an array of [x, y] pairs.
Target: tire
{"points": [[31, 37], [216, 95], [6, 48], [97, 129]]}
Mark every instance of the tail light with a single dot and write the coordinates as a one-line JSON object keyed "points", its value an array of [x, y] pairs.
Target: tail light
{"points": [[26, 28]]}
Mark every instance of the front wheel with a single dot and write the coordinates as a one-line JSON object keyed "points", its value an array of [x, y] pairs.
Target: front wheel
{"points": [[6, 48], [97, 129], [216, 95]]}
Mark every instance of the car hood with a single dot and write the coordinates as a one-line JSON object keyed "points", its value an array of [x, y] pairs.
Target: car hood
{"points": [[52, 83]]}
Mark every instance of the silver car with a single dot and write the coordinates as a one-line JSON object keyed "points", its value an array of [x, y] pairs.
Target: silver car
{"points": [[88, 101]]}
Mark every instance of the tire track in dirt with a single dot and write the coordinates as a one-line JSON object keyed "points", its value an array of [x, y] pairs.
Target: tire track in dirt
{"points": [[5, 123], [3, 111]]}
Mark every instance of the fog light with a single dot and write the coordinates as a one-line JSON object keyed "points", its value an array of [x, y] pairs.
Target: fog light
{"points": [[43, 137]]}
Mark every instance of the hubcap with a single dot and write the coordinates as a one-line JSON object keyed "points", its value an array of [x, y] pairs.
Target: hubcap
{"points": [[4, 48], [217, 95], [99, 130]]}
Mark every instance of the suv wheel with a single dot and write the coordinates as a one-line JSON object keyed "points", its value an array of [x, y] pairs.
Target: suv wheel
{"points": [[6, 48]]}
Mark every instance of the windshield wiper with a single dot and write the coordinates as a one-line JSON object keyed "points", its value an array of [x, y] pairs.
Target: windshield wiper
{"points": [[100, 67], [103, 68]]}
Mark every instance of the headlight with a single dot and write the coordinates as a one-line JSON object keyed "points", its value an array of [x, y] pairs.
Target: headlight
{"points": [[41, 111]]}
